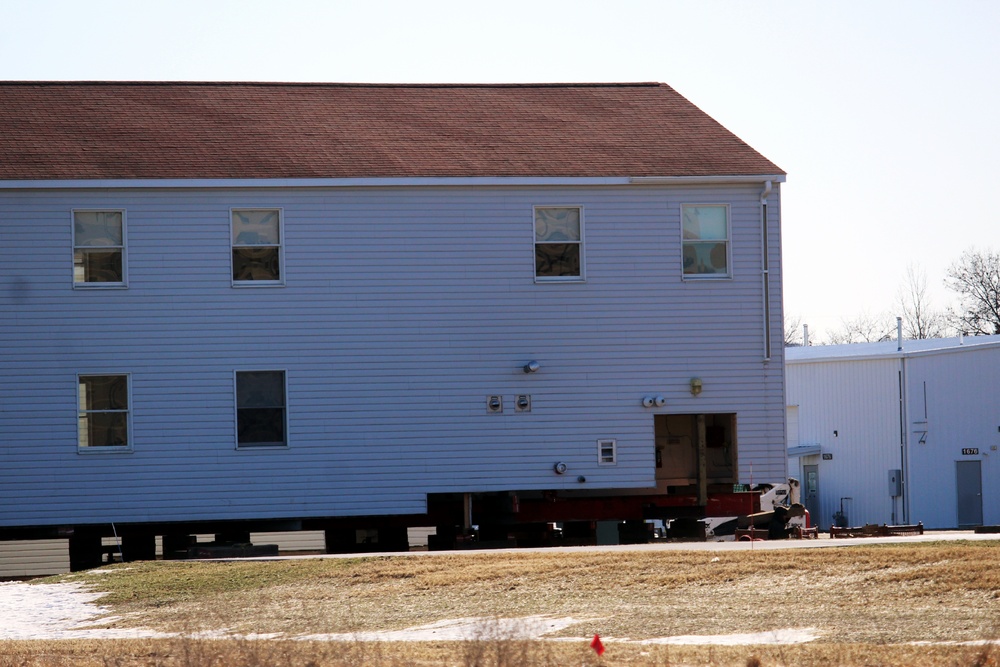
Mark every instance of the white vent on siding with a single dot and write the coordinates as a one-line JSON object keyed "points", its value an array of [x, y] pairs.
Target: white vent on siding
{"points": [[607, 452]]}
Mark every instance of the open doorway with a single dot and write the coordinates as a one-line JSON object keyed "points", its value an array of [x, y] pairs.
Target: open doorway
{"points": [[695, 448]]}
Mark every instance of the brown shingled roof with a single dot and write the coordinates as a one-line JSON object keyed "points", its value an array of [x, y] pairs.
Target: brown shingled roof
{"points": [[93, 130]]}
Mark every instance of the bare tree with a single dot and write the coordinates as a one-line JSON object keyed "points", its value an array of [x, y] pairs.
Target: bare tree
{"points": [[793, 331], [865, 328], [920, 319], [976, 279]]}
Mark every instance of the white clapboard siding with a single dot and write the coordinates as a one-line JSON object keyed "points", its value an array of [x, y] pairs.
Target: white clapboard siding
{"points": [[291, 542], [402, 310], [33, 558]]}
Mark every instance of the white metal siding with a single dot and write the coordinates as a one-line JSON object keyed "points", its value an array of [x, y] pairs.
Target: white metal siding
{"points": [[962, 411], [792, 425], [851, 410], [402, 310], [951, 404]]}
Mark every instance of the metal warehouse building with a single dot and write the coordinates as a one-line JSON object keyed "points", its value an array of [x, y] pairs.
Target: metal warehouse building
{"points": [[897, 432]]}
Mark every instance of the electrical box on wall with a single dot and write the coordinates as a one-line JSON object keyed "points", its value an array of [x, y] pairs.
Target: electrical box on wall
{"points": [[895, 483]]}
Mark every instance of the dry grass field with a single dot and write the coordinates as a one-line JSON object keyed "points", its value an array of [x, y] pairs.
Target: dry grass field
{"points": [[893, 604]]}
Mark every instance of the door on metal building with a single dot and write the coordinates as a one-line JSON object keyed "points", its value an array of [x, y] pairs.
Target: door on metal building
{"points": [[970, 493], [810, 492]]}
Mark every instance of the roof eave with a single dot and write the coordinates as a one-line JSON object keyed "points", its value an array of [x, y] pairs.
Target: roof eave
{"points": [[730, 178], [380, 181], [898, 354]]}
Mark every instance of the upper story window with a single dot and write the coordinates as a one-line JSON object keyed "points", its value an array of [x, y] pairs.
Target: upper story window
{"points": [[558, 243], [706, 240], [256, 246], [103, 415], [99, 248], [260, 409]]}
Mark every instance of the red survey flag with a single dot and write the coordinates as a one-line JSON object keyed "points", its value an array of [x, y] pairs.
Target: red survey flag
{"points": [[597, 645]]}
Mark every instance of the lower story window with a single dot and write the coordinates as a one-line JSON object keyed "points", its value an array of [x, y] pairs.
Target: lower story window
{"points": [[607, 452], [260, 409], [103, 416]]}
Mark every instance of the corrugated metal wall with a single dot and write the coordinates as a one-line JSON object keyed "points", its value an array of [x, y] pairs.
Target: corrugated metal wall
{"points": [[954, 405], [851, 410], [851, 407]]}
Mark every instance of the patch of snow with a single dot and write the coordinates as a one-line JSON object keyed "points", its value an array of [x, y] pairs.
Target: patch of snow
{"points": [[971, 642], [56, 611], [226, 633], [784, 636], [459, 629], [107, 570], [67, 611]]}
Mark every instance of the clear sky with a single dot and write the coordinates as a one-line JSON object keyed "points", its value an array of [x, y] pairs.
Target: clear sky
{"points": [[885, 114]]}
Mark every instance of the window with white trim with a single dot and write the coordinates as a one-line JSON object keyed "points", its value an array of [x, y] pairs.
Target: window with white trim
{"points": [[260, 409], [256, 241], [558, 243], [99, 248], [103, 414], [706, 240], [607, 452]]}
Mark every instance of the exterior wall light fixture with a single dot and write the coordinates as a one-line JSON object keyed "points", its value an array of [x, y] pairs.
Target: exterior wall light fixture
{"points": [[695, 386]]}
